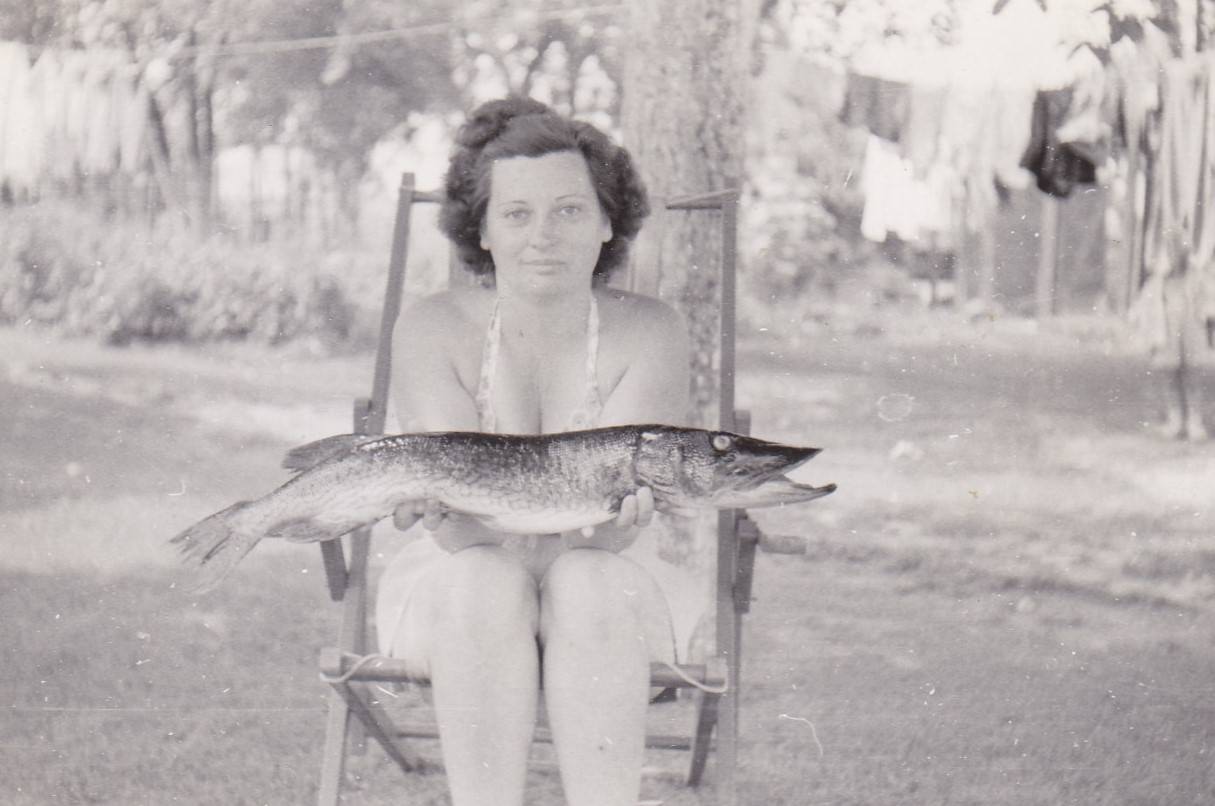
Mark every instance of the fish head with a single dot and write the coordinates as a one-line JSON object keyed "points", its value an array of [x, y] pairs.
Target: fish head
{"points": [[717, 469]]}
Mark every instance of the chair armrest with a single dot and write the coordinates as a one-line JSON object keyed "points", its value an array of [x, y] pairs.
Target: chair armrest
{"points": [[751, 537], [782, 544], [748, 539], [362, 415]]}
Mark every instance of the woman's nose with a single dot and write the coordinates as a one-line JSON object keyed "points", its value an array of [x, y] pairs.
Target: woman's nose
{"points": [[544, 230]]}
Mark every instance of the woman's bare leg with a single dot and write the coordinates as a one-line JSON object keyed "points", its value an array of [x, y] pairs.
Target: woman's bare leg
{"points": [[484, 669], [596, 673]]}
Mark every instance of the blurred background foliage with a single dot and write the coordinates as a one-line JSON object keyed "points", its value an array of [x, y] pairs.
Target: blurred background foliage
{"points": [[260, 205]]}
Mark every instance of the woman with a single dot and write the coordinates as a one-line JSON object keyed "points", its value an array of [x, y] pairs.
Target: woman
{"points": [[544, 208]]}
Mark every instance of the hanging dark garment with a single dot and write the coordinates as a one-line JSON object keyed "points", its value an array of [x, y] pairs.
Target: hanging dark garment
{"points": [[877, 104], [1058, 167]]}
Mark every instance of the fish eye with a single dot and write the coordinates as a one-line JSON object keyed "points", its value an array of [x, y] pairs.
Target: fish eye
{"points": [[721, 442]]}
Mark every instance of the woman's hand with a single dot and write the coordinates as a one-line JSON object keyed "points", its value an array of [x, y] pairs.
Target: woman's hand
{"points": [[636, 510], [452, 531], [429, 511]]}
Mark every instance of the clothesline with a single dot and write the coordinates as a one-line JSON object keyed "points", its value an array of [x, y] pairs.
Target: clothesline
{"points": [[1146, 116], [259, 47]]}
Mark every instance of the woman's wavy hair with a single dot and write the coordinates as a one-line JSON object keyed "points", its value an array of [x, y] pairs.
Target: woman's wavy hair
{"points": [[522, 127]]}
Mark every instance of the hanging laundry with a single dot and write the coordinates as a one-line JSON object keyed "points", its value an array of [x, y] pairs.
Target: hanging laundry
{"points": [[926, 110], [916, 210], [133, 126], [1203, 254], [877, 104], [968, 144], [1085, 125], [1203, 258], [1175, 192], [1175, 310], [1135, 66], [19, 141], [1058, 166]]}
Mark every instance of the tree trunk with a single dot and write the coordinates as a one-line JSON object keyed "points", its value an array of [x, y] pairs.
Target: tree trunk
{"points": [[199, 80], [686, 72]]}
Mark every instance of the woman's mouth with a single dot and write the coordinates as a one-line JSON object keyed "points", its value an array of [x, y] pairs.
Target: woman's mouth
{"points": [[545, 266]]}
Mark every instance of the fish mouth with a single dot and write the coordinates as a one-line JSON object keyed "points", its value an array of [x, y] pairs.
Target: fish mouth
{"points": [[757, 462], [761, 480], [781, 459], [775, 491]]}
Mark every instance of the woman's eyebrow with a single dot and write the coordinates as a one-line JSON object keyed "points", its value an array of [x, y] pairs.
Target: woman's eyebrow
{"points": [[563, 196]]}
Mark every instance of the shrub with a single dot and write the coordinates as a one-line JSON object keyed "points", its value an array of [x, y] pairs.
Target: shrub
{"points": [[65, 268]]}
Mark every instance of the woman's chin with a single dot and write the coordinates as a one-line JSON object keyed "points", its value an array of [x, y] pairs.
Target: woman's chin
{"points": [[551, 285]]}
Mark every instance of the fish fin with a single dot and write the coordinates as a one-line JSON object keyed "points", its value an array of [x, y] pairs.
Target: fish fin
{"points": [[300, 530], [310, 455], [214, 548]]}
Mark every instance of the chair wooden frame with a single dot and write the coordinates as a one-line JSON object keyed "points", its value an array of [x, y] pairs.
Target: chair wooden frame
{"points": [[349, 665]]}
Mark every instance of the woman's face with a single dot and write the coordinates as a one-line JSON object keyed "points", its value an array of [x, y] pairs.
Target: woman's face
{"points": [[543, 224]]}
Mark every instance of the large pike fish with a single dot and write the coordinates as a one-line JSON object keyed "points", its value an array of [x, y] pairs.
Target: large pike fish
{"points": [[541, 484]]}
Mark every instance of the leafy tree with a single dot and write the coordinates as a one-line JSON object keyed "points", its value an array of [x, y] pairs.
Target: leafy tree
{"points": [[835, 30], [339, 99], [35, 22], [559, 51]]}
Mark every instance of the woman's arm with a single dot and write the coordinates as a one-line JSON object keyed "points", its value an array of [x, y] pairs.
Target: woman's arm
{"points": [[430, 396], [652, 389], [426, 386]]}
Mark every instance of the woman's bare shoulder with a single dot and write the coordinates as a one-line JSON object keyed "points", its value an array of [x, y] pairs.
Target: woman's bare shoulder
{"points": [[643, 316], [647, 359], [446, 313]]}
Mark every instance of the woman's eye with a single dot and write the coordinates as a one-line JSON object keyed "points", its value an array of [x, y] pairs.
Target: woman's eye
{"points": [[515, 215], [570, 210]]}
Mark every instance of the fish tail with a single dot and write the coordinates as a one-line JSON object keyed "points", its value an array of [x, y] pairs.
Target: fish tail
{"points": [[214, 547]]}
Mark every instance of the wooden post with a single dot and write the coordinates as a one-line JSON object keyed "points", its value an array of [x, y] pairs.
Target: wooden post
{"points": [[1048, 258], [987, 263], [1132, 237], [961, 267]]}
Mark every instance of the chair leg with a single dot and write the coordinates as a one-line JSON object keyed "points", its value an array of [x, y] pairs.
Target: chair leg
{"points": [[333, 761], [728, 716], [727, 750], [380, 729], [706, 720]]}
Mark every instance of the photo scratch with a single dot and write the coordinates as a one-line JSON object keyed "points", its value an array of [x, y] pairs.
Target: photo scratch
{"points": [[813, 731]]}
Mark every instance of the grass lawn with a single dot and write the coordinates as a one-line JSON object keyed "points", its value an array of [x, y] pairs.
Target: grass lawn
{"points": [[1008, 601]]}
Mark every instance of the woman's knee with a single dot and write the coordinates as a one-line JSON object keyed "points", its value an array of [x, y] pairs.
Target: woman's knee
{"points": [[591, 592], [485, 590]]}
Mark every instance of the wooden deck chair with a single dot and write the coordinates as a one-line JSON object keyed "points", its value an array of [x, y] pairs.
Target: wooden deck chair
{"points": [[352, 669]]}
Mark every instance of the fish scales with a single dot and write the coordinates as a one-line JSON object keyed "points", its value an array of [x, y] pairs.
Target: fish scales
{"points": [[509, 473]]}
